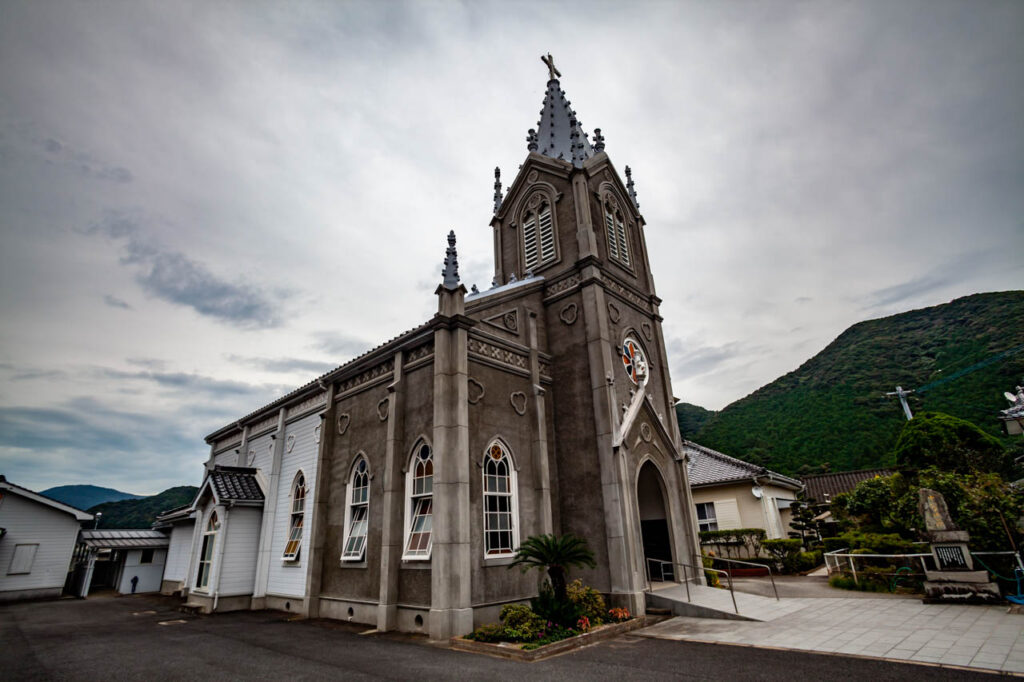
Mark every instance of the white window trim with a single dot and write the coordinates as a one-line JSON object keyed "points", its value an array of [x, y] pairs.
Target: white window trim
{"points": [[293, 556], [212, 534], [23, 558], [513, 482], [350, 504], [538, 228], [411, 502], [711, 519], [617, 231]]}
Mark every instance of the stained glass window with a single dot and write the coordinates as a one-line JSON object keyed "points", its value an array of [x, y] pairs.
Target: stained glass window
{"points": [[634, 361]]}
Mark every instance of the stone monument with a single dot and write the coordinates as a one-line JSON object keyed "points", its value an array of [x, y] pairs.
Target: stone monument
{"points": [[954, 578]]}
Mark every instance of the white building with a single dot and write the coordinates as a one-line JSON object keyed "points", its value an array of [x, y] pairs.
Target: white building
{"points": [[130, 561], [37, 540]]}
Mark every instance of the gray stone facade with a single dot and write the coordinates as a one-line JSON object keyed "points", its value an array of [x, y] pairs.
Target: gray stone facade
{"points": [[535, 365]]}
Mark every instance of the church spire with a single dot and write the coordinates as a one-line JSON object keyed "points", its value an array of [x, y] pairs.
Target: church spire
{"points": [[559, 133], [451, 265]]}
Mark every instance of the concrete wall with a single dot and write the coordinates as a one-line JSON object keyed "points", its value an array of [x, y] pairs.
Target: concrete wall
{"points": [[149, 575], [753, 512], [32, 523], [288, 578]]}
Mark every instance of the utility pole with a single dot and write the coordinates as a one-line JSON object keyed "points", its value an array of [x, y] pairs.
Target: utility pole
{"points": [[902, 395]]}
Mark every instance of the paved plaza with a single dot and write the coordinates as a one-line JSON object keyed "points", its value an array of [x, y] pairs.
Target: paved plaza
{"points": [[984, 637]]}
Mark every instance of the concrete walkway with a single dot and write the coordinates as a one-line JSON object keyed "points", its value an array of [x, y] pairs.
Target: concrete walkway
{"points": [[986, 637]]}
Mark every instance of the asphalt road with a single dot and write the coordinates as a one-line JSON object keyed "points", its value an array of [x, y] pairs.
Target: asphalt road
{"points": [[143, 637]]}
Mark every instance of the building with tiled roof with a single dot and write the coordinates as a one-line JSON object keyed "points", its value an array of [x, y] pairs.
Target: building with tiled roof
{"points": [[822, 488], [731, 493], [395, 489]]}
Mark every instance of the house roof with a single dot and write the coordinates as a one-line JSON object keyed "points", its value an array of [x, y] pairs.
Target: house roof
{"points": [[823, 487], [166, 518], [123, 538], [232, 485], [709, 467], [43, 499], [559, 133]]}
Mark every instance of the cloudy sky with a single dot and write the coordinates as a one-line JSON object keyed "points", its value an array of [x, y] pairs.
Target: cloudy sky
{"points": [[205, 204]]}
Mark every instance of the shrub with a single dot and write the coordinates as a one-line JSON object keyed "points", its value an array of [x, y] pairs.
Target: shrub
{"points": [[589, 602], [492, 633], [737, 543], [549, 607], [710, 576], [784, 552], [618, 615], [521, 623]]}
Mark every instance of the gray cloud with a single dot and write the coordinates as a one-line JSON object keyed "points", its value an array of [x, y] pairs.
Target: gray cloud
{"points": [[195, 383], [341, 344], [283, 365], [173, 276], [115, 302], [83, 162]]}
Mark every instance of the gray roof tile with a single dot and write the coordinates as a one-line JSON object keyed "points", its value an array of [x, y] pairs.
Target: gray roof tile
{"points": [[709, 467]]}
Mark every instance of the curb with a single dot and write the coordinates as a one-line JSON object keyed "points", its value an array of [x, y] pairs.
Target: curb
{"points": [[512, 651]]}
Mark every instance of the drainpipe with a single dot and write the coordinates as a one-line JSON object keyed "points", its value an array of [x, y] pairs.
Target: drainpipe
{"points": [[764, 505], [223, 532]]}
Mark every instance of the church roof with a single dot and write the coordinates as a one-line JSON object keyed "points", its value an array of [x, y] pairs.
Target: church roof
{"points": [[235, 484], [559, 134], [710, 467]]}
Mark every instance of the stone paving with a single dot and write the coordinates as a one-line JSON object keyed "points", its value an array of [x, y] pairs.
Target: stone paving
{"points": [[986, 637]]}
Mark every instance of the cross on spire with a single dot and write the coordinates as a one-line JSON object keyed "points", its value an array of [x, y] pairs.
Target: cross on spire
{"points": [[553, 73]]}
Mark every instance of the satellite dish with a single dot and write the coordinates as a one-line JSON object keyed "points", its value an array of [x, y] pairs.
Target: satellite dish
{"points": [[758, 491], [1010, 396]]}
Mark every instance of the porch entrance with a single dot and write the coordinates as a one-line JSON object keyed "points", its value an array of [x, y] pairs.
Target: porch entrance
{"points": [[657, 541]]}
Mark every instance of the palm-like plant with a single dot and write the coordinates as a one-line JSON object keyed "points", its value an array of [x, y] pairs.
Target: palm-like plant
{"points": [[555, 553]]}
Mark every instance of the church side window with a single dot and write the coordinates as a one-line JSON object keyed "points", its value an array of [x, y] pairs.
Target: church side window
{"points": [[706, 519], [500, 522], [358, 512], [615, 226], [206, 552], [538, 234], [420, 492], [294, 544]]}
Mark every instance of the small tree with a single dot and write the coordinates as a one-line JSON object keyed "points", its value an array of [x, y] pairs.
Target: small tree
{"points": [[934, 439], [802, 522], [555, 553]]}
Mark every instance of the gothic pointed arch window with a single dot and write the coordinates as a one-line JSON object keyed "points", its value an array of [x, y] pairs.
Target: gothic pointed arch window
{"points": [[539, 244], [206, 552], [419, 514], [298, 513], [501, 503], [357, 511], [615, 231]]}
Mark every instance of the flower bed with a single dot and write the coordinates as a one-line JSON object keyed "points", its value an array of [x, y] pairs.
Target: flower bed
{"points": [[518, 651]]}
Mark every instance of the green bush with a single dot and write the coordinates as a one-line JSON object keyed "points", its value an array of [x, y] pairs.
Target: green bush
{"points": [[784, 553], [492, 633], [549, 607], [521, 623], [806, 561], [710, 576], [736, 543], [589, 602]]}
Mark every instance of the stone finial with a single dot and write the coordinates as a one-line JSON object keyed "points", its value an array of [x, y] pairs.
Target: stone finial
{"points": [[474, 289], [497, 189], [630, 188], [531, 140], [451, 265], [494, 282], [598, 140]]}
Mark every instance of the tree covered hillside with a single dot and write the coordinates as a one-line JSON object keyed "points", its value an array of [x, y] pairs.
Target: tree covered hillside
{"points": [[831, 411], [142, 512]]}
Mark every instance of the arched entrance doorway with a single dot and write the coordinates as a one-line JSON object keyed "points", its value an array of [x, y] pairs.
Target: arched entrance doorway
{"points": [[654, 521]]}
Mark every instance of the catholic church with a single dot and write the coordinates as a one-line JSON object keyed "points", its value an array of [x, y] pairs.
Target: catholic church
{"points": [[394, 490]]}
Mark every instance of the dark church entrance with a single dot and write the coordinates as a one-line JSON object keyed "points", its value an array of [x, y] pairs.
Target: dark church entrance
{"points": [[654, 524]]}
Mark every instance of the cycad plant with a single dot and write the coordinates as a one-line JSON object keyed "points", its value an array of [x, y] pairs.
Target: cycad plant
{"points": [[556, 553]]}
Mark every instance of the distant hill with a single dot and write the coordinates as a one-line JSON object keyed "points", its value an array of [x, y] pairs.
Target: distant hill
{"points": [[140, 513], [691, 418], [830, 413], [85, 496]]}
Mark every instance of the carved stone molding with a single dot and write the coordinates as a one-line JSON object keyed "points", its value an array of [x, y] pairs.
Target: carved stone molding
{"points": [[518, 400], [647, 330], [307, 404], [251, 457], [532, 177], [419, 352], [289, 442], [506, 321], [263, 424], [476, 391], [568, 313], [645, 432], [614, 314], [562, 284], [625, 293], [502, 355], [343, 421], [367, 376], [383, 408], [316, 433]]}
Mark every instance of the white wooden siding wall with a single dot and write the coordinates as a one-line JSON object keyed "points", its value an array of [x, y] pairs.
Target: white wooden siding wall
{"points": [[262, 452], [29, 522], [238, 571], [228, 458], [288, 578], [149, 574], [177, 553]]}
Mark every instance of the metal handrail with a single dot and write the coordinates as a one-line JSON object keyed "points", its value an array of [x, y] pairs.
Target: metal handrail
{"points": [[686, 577], [751, 563], [732, 593]]}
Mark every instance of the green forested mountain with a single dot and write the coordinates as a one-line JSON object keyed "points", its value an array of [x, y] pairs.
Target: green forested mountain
{"points": [[142, 512], [85, 496], [691, 418], [830, 412]]}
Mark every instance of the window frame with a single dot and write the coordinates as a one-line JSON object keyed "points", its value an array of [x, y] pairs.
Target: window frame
{"points": [[616, 233], [142, 556], [357, 510], [206, 557], [709, 520], [20, 563], [419, 506], [510, 495], [543, 234], [296, 519]]}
